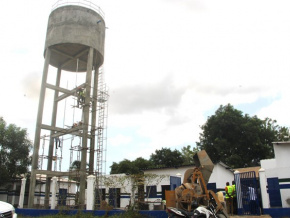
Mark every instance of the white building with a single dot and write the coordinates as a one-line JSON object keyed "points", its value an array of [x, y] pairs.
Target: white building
{"points": [[64, 189], [174, 177], [120, 189], [275, 181]]}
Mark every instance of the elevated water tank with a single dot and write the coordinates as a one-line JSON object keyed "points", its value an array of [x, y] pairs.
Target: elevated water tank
{"points": [[71, 31]]}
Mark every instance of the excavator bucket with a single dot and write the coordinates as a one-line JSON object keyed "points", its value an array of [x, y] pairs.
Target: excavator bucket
{"points": [[204, 163]]}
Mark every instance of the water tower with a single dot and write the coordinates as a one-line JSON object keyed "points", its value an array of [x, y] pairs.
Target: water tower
{"points": [[74, 40]]}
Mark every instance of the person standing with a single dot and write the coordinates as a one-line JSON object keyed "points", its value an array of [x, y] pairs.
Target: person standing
{"points": [[234, 198], [252, 200], [229, 198], [57, 142], [81, 96]]}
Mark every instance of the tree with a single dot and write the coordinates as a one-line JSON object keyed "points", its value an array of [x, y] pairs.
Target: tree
{"points": [[239, 140], [166, 158], [124, 166], [142, 163], [130, 167], [187, 154], [76, 165], [14, 152], [75, 175]]}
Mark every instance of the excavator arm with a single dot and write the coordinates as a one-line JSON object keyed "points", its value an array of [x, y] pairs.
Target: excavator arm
{"points": [[193, 191]]}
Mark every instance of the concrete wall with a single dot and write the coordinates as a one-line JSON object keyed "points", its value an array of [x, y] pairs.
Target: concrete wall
{"points": [[279, 168], [220, 176], [121, 181]]}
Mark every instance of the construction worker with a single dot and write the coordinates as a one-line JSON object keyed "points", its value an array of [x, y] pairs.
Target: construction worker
{"points": [[57, 142], [164, 204], [234, 197], [229, 198], [81, 96]]}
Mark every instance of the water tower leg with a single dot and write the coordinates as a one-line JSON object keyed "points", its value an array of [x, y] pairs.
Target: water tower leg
{"points": [[86, 111], [93, 128], [51, 140], [38, 130]]}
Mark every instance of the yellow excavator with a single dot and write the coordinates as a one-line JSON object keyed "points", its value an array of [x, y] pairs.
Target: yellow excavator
{"points": [[193, 192]]}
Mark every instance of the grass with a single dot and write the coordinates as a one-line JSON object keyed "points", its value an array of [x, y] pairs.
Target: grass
{"points": [[127, 214]]}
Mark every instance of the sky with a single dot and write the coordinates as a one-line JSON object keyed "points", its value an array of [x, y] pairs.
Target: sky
{"points": [[169, 64]]}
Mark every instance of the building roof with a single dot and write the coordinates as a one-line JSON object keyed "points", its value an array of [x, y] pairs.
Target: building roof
{"points": [[225, 166], [282, 143], [189, 165], [249, 169], [170, 167]]}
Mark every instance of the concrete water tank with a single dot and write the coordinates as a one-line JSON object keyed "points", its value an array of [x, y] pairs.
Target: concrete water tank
{"points": [[74, 42], [71, 31]]}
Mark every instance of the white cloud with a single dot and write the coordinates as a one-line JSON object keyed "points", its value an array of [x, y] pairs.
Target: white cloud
{"points": [[278, 110], [120, 140], [167, 64]]}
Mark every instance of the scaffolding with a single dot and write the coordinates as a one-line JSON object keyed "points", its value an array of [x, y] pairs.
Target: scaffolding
{"points": [[101, 148], [102, 127], [56, 157], [75, 139]]}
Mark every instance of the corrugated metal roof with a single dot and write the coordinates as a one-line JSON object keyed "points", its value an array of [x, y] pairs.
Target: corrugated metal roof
{"points": [[249, 169]]}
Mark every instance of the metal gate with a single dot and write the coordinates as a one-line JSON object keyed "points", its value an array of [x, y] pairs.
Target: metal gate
{"points": [[100, 195], [248, 193], [62, 196], [274, 192], [114, 197], [174, 182]]}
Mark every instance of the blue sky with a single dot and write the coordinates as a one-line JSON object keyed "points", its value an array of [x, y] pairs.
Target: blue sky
{"points": [[169, 64]]}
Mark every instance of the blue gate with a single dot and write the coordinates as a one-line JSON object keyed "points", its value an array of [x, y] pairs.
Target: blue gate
{"points": [[248, 193], [62, 196], [174, 182], [114, 197], [274, 192]]}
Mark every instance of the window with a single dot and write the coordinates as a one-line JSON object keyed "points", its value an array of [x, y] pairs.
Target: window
{"points": [[151, 191]]}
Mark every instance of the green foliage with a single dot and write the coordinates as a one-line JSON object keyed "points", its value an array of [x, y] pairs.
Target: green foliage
{"points": [[75, 168], [76, 165], [166, 158], [161, 158], [187, 154], [142, 163], [14, 151], [130, 167], [130, 214], [239, 140]]}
